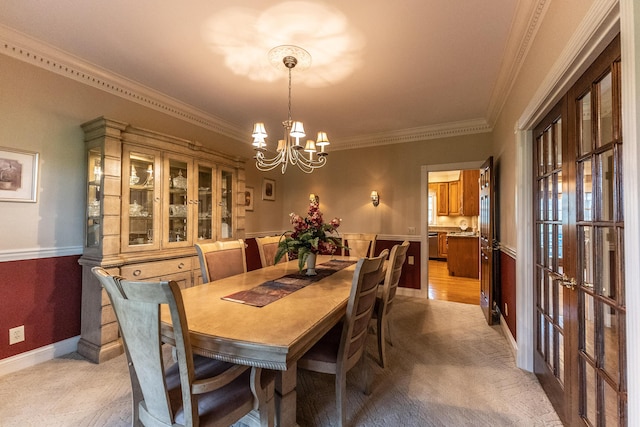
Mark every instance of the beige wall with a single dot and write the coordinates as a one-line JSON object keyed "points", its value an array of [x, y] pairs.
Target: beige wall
{"points": [[345, 184], [560, 22]]}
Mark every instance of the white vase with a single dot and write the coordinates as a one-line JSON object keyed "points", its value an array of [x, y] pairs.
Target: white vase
{"points": [[311, 265]]}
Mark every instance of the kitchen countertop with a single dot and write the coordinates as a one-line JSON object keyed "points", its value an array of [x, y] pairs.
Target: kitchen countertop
{"points": [[462, 234]]}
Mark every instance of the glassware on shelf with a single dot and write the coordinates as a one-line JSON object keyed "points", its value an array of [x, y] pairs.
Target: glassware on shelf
{"points": [[93, 209], [133, 178], [149, 181], [180, 181]]}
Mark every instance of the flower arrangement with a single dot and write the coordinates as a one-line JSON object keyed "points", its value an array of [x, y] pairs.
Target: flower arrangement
{"points": [[310, 235]]}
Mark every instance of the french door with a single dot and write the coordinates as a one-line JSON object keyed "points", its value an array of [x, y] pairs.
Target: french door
{"points": [[580, 352]]}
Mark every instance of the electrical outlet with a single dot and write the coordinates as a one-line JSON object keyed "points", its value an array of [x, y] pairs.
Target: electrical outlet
{"points": [[16, 335], [506, 310], [412, 230], [410, 259]]}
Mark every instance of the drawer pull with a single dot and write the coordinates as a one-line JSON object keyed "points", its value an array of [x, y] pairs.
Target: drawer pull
{"points": [[181, 265], [136, 273]]}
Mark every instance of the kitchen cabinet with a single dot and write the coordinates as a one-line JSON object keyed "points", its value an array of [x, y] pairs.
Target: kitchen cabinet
{"points": [[460, 197], [470, 192], [442, 245], [454, 198], [150, 198], [443, 198], [464, 256]]}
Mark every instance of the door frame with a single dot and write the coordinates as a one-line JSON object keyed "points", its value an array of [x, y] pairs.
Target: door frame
{"points": [[424, 229]]}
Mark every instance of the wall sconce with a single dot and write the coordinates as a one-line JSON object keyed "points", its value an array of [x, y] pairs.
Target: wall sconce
{"points": [[375, 199], [314, 198]]}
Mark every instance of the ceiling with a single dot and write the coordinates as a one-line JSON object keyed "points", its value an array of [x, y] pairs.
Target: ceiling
{"points": [[381, 71]]}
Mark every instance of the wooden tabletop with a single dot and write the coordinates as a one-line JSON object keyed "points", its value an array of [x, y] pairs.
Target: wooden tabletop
{"points": [[273, 336]]}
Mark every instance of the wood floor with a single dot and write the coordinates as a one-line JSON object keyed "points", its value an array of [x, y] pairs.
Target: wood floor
{"points": [[449, 288]]}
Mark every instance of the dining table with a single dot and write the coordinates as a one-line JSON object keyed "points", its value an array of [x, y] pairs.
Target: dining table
{"points": [[268, 318]]}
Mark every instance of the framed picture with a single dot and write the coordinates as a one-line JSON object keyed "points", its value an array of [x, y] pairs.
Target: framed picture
{"points": [[18, 175], [268, 189], [248, 199]]}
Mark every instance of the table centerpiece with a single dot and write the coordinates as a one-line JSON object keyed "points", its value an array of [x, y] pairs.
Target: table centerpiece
{"points": [[309, 237]]}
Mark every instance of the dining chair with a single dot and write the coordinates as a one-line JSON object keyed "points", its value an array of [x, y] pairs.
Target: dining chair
{"points": [[359, 244], [221, 259], [384, 300], [267, 247], [195, 390], [343, 346]]}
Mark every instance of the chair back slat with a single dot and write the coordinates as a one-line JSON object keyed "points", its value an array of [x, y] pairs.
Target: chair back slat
{"points": [[367, 276], [394, 271]]}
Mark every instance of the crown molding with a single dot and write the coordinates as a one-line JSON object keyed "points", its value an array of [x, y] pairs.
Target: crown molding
{"points": [[526, 22], [423, 133], [35, 52]]}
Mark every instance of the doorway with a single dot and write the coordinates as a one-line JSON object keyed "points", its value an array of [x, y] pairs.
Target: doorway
{"points": [[450, 218]]}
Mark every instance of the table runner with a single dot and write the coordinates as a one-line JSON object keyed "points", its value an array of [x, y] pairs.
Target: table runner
{"points": [[273, 290]]}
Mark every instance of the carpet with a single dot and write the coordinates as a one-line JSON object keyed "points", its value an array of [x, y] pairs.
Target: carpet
{"points": [[446, 368]]}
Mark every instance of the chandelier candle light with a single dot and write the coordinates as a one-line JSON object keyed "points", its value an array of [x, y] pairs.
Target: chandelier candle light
{"points": [[289, 149]]}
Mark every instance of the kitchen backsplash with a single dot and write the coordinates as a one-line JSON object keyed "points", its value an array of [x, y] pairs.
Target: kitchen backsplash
{"points": [[455, 221]]}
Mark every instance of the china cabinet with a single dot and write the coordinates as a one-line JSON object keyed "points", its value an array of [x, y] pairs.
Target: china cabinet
{"points": [[150, 198]]}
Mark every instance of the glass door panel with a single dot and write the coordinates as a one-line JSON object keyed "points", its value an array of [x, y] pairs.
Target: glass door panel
{"points": [[584, 120], [607, 194], [140, 199], [205, 202], [178, 223], [226, 204], [93, 231], [605, 111], [586, 190]]}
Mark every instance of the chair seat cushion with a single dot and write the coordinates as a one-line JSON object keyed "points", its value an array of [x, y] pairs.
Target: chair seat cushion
{"points": [[216, 404], [325, 350]]}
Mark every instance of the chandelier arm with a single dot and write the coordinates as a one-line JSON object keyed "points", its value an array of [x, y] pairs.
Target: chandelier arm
{"points": [[265, 164]]}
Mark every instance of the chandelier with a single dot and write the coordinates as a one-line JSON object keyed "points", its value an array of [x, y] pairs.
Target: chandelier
{"points": [[290, 150]]}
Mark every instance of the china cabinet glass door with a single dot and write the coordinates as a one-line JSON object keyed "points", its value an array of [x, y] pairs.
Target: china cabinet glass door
{"points": [[205, 202], [179, 201], [94, 208], [140, 194], [225, 204]]}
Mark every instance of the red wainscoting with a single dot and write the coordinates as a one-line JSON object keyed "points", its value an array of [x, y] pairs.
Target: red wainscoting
{"points": [[252, 254], [44, 295], [410, 277], [508, 290]]}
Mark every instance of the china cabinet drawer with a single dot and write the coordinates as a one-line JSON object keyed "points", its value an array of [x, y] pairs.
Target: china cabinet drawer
{"points": [[146, 270]]}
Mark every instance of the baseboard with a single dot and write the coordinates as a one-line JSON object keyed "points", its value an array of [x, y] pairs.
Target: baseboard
{"points": [[39, 355], [508, 336]]}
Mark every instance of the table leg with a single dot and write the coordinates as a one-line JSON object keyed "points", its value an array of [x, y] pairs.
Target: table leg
{"points": [[286, 397]]}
